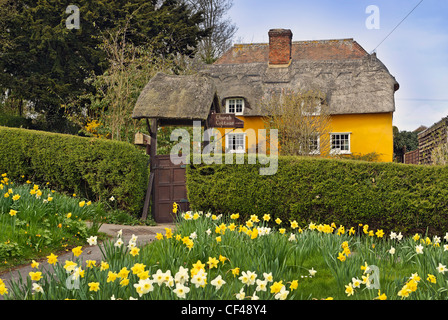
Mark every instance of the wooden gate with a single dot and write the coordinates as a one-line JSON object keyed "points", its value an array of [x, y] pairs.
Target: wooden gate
{"points": [[169, 187]]}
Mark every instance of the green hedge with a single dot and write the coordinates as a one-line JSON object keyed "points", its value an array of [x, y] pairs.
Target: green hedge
{"points": [[391, 196], [92, 168]]}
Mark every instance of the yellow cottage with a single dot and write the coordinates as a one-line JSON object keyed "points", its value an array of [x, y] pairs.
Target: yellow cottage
{"points": [[359, 89]]}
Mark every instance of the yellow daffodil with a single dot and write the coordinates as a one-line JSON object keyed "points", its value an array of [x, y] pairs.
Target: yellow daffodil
{"points": [[431, 278], [35, 276], [212, 262], [294, 285], [276, 287], [349, 289], [94, 286], [134, 251], [77, 251], [381, 296], [52, 258]]}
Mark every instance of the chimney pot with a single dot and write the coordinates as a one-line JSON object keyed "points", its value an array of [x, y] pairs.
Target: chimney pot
{"points": [[280, 43]]}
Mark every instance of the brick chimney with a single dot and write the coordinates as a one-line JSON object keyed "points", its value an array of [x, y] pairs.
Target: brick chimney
{"points": [[280, 41]]}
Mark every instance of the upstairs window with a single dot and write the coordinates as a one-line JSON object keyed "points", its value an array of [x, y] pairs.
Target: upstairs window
{"points": [[235, 105]]}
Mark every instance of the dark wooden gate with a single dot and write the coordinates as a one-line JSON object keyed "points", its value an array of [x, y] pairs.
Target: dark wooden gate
{"points": [[169, 187]]}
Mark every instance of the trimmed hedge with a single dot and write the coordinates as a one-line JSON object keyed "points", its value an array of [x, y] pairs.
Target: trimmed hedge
{"points": [[93, 168], [389, 196]]}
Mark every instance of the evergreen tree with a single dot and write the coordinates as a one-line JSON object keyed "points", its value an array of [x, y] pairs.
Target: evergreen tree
{"points": [[46, 63]]}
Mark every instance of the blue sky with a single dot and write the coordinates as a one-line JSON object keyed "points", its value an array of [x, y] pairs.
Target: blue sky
{"points": [[416, 53]]}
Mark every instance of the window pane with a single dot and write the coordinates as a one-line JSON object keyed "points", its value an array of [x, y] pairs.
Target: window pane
{"points": [[236, 142], [340, 142], [239, 105]]}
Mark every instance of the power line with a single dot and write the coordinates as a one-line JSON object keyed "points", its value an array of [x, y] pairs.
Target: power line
{"points": [[397, 26], [422, 99]]}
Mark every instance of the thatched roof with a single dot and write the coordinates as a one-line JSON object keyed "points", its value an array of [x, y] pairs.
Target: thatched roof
{"points": [[354, 82], [172, 97]]}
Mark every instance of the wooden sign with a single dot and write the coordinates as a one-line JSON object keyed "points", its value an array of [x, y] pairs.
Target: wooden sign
{"points": [[142, 139], [224, 120]]}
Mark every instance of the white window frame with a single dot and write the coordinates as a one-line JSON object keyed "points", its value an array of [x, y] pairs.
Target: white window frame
{"points": [[234, 101], [339, 151], [229, 135], [317, 151]]}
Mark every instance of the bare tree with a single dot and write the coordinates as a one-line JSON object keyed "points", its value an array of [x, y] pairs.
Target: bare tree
{"points": [[223, 30], [302, 120]]}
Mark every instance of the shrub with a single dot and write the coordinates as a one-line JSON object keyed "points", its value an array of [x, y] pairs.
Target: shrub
{"points": [[93, 168], [406, 198]]}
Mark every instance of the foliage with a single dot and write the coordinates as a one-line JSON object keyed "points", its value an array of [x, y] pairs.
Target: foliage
{"points": [[396, 196], [96, 169], [404, 139]]}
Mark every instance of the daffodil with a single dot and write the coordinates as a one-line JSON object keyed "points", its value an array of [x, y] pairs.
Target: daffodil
{"points": [[134, 251], [104, 266], [235, 271], [349, 290], [379, 233], [3, 289], [91, 263], [276, 287], [181, 290], [111, 276], [381, 296], [431, 278], [441, 268], [261, 285], [70, 265], [294, 285], [241, 294], [419, 249], [282, 294], [77, 251], [218, 282], [94, 286], [35, 276], [37, 288], [52, 258], [12, 212]]}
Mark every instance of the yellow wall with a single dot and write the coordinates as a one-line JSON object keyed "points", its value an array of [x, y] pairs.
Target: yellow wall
{"points": [[369, 132]]}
